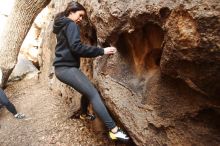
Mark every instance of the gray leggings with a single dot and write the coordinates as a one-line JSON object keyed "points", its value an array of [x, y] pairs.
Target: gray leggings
{"points": [[5, 102], [73, 77]]}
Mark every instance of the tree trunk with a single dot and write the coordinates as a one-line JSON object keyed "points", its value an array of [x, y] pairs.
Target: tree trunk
{"points": [[18, 25]]}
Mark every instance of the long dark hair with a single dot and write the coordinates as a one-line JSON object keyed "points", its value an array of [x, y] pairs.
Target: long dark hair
{"points": [[71, 7]]}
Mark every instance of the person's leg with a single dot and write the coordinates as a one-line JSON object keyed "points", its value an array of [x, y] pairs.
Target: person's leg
{"points": [[76, 79], [5, 102], [85, 115], [84, 104], [10, 107]]}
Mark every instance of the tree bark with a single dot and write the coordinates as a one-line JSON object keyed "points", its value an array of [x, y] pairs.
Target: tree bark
{"points": [[18, 25]]}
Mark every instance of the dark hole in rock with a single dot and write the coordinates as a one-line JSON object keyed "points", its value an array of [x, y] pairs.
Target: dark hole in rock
{"points": [[105, 44], [143, 47], [90, 34], [210, 117], [164, 12]]}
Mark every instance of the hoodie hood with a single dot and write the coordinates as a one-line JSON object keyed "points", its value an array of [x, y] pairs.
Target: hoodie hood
{"points": [[59, 23]]}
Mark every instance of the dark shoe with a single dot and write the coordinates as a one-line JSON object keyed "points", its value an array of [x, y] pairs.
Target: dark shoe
{"points": [[119, 135], [87, 116]]}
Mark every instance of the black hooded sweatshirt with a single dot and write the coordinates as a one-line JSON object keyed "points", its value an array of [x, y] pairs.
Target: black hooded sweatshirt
{"points": [[69, 48]]}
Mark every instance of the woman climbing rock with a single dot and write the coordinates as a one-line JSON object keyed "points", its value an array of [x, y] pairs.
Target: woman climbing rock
{"points": [[68, 51]]}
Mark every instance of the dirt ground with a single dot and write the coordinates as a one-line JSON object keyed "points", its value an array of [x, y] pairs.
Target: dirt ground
{"points": [[47, 122]]}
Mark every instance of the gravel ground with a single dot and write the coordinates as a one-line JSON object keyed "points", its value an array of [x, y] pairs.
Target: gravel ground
{"points": [[47, 122]]}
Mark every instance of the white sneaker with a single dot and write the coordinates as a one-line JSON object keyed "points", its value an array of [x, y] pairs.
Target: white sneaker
{"points": [[19, 116], [119, 135]]}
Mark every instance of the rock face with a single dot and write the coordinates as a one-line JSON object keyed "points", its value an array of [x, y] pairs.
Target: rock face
{"points": [[157, 40], [23, 69], [192, 49], [160, 83], [191, 45]]}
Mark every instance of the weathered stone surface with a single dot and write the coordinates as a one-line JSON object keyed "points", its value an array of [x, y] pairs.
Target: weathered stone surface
{"points": [[156, 40], [23, 69], [156, 109], [192, 48], [192, 27]]}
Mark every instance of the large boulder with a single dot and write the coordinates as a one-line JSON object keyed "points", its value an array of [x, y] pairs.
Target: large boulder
{"points": [[24, 69], [191, 46], [156, 85], [157, 40], [154, 108]]}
